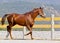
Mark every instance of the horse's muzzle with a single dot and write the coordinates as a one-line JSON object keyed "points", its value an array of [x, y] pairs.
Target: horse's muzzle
{"points": [[43, 16]]}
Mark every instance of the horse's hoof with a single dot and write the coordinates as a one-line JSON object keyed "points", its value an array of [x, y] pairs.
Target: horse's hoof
{"points": [[32, 38], [11, 38], [25, 35]]}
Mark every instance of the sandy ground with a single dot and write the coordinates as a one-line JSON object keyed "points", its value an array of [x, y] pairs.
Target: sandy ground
{"points": [[29, 41], [37, 35]]}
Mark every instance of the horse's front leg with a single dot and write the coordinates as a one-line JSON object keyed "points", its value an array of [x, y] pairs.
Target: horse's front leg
{"points": [[30, 29]]}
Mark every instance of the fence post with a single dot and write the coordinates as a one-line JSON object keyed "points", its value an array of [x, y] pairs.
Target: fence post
{"points": [[24, 32], [52, 26]]}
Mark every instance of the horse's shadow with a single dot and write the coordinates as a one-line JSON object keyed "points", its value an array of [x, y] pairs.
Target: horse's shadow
{"points": [[22, 39], [16, 39]]}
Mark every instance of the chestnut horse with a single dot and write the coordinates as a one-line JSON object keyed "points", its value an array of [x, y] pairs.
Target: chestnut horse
{"points": [[26, 19]]}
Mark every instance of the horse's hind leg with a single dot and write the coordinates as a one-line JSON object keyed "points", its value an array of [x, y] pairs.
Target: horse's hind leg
{"points": [[9, 31], [7, 34]]}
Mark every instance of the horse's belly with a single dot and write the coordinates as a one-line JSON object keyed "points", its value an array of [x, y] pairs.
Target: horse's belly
{"points": [[21, 22]]}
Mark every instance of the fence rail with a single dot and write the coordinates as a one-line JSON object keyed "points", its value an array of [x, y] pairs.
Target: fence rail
{"points": [[35, 26], [45, 19]]}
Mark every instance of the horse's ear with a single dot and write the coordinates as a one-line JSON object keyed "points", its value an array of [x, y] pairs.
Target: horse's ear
{"points": [[40, 7]]}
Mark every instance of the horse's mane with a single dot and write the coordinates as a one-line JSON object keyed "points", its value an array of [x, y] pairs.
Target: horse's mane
{"points": [[31, 11]]}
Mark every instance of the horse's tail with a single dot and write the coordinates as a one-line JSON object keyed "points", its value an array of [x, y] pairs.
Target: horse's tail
{"points": [[4, 18]]}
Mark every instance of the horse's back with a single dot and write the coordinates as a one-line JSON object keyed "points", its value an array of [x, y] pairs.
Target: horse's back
{"points": [[19, 19]]}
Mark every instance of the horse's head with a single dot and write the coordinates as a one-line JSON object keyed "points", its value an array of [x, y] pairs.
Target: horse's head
{"points": [[41, 13]]}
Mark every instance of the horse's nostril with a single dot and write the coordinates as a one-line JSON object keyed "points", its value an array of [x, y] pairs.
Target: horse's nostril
{"points": [[43, 16]]}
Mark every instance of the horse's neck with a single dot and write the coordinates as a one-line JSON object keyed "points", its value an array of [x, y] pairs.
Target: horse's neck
{"points": [[34, 15]]}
